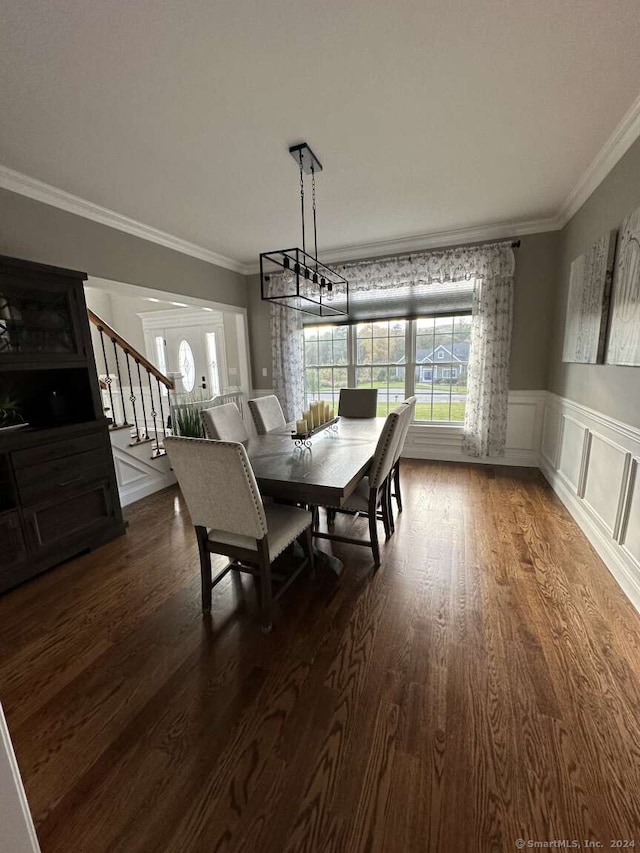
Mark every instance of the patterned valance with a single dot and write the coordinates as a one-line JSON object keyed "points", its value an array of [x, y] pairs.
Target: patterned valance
{"points": [[460, 263]]}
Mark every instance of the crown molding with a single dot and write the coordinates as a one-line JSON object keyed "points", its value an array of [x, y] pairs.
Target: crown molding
{"points": [[436, 240], [441, 239], [39, 191], [622, 138]]}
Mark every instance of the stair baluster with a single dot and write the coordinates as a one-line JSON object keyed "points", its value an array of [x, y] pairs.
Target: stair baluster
{"points": [[125, 421], [132, 399], [108, 379], [164, 423], [157, 450], [145, 432]]}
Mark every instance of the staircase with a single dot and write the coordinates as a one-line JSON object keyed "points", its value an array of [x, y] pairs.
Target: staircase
{"points": [[142, 406]]}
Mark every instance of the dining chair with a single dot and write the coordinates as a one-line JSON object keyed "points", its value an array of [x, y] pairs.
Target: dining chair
{"points": [[230, 519], [372, 491], [407, 412], [224, 423], [267, 414], [358, 402]]}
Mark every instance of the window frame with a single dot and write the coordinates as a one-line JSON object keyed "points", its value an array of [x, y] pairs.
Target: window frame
{"points": [[411, 332]]}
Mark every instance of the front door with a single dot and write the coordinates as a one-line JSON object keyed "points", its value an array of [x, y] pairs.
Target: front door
{"points": [[197, 353]]}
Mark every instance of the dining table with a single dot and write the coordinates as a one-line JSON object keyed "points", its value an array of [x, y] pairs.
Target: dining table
{"points": [[323, 474]]}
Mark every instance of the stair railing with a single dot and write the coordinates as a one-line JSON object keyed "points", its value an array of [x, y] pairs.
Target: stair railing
{"points": [[132, 413]]}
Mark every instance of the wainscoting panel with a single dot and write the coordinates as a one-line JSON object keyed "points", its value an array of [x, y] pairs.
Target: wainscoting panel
{"points": [[605, 479], [630, 534], [572, 447], [524, 427], [593, 469], [550, 443]]}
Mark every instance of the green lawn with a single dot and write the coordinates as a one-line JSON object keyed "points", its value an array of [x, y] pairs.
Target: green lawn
{"points": [[420, 386], [424, 412]]}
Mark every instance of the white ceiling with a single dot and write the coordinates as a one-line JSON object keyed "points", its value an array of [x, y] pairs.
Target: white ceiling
{"points": [[428, 116]]}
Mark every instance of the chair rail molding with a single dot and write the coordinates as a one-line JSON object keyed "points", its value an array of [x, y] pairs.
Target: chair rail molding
{"points": [[591, 462]]}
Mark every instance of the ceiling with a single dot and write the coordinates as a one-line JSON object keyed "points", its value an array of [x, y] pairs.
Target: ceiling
{"points": [[428, 116]]}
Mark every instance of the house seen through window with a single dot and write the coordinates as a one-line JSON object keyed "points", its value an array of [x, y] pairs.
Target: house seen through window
{"points": [[427, 357]]}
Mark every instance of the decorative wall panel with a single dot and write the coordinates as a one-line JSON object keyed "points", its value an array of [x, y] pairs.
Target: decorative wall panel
{"points": [[588, 302], [623, 346]]}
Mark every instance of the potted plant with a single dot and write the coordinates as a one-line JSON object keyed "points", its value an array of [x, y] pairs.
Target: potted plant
{"points": [[10, 413]]}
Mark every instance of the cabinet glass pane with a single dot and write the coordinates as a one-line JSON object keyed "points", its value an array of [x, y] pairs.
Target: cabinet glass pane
{"points": [[35, 320]]}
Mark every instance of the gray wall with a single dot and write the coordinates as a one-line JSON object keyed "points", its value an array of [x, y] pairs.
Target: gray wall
{"points": [[614, 391], [39, 232], [259, 334], [535, 280]]}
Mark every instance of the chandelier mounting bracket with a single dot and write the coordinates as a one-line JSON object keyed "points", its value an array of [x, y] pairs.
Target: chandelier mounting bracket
{"points": [[305, 158]]}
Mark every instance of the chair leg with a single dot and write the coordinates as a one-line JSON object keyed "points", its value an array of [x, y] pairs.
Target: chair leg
{"points": [[373, 527], [266, 592], [205, 569], [306, 542], [386, 514], [392, 523], [396, 480]]}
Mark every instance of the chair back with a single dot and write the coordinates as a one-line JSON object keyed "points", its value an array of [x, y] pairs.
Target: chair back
{"points": [[383, 458], [224, 423], [406, 411], [218, 484], [267, 413], [358, 403]]}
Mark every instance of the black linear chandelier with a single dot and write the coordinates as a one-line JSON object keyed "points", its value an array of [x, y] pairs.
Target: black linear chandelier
{"points": [[294, 278]]}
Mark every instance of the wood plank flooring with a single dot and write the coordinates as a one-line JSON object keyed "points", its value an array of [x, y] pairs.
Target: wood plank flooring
{"points": [[482, 687]]}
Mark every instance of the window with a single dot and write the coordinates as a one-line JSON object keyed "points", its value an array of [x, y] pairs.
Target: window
{"points": [[187, 366], [427, 357], [325, 363], [381, 361]]}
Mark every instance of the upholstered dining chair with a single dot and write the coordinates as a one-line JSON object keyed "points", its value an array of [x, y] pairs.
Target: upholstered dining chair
{"points": [[224, 423], [407, 411], [229, 517], [358, 402], [372, 492], [267, 413]]}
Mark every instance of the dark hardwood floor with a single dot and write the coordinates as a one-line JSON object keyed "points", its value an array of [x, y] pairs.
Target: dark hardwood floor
{"points": [[482, 687]]}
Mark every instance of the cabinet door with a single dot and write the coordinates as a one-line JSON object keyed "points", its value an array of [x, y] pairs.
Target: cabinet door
{"points": [[13, 550], [39, 319], [73, 516]]}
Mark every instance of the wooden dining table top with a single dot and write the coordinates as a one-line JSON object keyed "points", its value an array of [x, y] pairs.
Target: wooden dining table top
{"points": [[324, 474]]}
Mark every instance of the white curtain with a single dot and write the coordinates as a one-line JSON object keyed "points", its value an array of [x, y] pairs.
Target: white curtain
{"points": [[445, 281], [485, 421], [287, 347]]}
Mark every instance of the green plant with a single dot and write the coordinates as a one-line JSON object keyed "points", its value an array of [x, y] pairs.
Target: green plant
{"points": [[10, 413], [188, 422]]}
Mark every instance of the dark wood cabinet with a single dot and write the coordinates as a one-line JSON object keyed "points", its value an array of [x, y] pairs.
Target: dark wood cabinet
{"points": [[58, 492], [14, 546]]}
